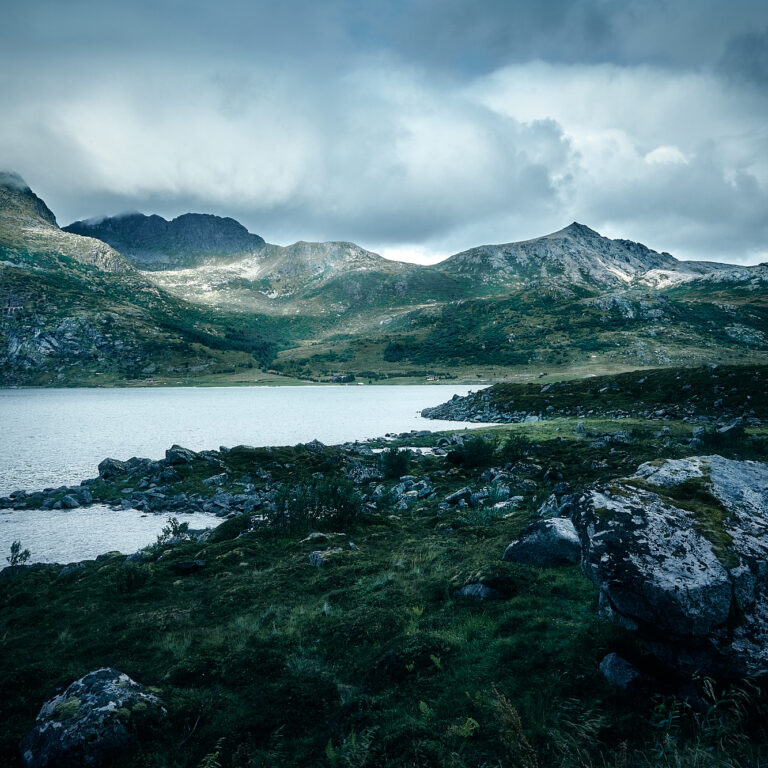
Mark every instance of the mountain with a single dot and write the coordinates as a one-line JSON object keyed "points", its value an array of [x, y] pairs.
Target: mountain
{"points": [[152, 242], [30, 236], [214, 301], [74, 310], [576, 255]]}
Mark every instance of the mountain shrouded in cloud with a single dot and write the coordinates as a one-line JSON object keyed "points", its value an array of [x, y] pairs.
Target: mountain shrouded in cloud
{"points": [[414, 128]]}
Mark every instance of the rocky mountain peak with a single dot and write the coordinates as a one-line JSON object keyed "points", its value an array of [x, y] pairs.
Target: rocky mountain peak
{"points": [[18, 200], [153, 242]]}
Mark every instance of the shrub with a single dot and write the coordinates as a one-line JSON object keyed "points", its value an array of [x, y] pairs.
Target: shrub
{"points": [[299, 507], [515, 448], [173, 530], [474, 452], [18, 556], [394, 462], [394, 353]]}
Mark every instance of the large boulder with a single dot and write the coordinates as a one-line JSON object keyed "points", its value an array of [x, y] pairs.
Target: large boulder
{"points": [[111, 468], [679, 554], [178, 455], [94, 717], [546, 542]]}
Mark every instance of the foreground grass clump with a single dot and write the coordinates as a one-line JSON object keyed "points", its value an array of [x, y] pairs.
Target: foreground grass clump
{"points": [[372, 659]]}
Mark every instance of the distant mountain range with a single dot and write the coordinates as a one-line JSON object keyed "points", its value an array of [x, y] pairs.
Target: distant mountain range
{"points": [[137, 297]]}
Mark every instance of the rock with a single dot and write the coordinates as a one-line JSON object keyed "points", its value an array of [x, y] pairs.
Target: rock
{"points": [[185, 567], [579, 428], [71, 568], [678, 569], [84, 496], [315, 446], [479, 592], [619, 673], [219, 479], [463, 494], [95, 717], [733, 431], [111, 468], [319, 557], [69, 502], [178, 455], [553, 541]]}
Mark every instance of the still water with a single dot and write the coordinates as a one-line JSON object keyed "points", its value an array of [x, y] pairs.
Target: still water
{"points": [[52, 437]]}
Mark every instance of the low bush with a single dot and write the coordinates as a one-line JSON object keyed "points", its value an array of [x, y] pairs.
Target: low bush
{"points": [[474, 452], [394, 462]]}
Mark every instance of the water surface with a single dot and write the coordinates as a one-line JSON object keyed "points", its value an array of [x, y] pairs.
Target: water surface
{"points": [[67, 536], [52, 437]]}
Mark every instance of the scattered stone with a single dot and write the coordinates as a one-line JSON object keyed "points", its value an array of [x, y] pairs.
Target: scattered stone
{"points": [[479, 592], [463, 494], [178, 455], [677, 574], [319, 557]]}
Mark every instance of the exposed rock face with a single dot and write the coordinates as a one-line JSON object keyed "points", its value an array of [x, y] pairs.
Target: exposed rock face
{"points": [[188, 239], [679, 553], [546, 542], [94, 717]]}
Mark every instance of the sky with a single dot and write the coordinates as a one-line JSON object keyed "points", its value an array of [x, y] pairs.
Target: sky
{"points": [[416, 128]]}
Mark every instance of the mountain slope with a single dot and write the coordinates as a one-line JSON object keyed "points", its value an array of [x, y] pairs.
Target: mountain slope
{"points": [[30, 237], [575, 255], [152, 242], [73, 310], [572, 301]]}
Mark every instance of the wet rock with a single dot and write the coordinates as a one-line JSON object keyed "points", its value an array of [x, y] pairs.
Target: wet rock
{"points": [[94, 718], [546, 542]]}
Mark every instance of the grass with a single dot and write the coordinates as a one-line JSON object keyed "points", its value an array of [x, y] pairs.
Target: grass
{"points": [[371, 660]]}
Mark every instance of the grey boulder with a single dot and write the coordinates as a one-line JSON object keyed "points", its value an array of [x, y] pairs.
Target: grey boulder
{"points": [[95, 717], [552, 541], [678, 554]]}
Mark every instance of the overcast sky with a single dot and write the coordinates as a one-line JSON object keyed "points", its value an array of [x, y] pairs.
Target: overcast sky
{"points": [[416, 128]]}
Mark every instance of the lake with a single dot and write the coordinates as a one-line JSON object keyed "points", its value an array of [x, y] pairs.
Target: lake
{"points": [[52, 437]]}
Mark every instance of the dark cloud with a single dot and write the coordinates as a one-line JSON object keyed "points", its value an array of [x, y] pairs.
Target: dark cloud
{"points": [[412, 124], [746, 56]]}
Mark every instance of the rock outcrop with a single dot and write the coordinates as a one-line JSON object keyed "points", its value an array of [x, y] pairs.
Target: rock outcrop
{"points": [[93, 718], [679, 554]]}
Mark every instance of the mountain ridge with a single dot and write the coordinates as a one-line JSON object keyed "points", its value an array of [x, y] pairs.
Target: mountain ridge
{"points": [[571, 300], [152, 242]]}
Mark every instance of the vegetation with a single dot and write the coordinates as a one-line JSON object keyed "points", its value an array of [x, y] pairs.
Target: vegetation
{"points": [[18, 555], [372, 659], [394, 462]]}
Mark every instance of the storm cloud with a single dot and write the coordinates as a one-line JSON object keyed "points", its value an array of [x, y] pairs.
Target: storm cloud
{"points": [[414, 128]]}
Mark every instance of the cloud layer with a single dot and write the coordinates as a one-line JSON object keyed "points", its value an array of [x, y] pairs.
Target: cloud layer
{"points": [[414, 128]]}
